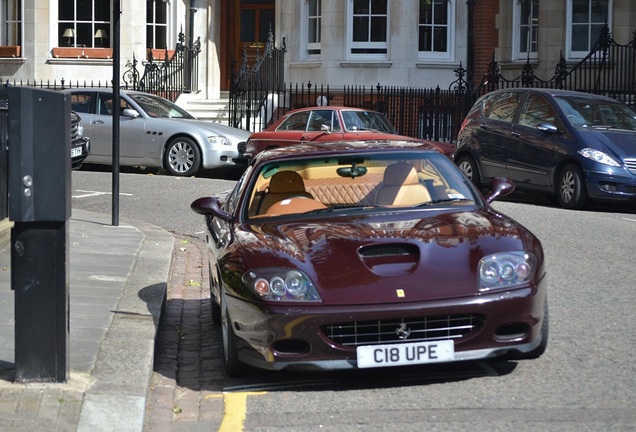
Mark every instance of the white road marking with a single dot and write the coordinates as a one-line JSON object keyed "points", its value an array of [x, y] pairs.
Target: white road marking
{"points": [[88, 194]]}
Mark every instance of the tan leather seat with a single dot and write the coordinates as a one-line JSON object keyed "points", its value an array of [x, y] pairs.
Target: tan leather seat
{"points": [[401, 186], [282, 185]]}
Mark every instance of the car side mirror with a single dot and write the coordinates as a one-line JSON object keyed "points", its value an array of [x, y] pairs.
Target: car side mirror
{"points": [[499, 187], [210, 206], [325, 128], [129, 112], [547, 127]]}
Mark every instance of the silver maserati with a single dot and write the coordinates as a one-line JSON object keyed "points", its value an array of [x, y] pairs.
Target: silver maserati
{"points": [[154, 132]]}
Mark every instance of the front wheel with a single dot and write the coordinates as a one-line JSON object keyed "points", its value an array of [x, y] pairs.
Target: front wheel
{"points": [[468, 166], [571, 188], [233, 367], [182, 157]]}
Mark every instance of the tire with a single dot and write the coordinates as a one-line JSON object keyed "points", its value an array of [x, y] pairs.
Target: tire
{"points": [[215, 307], [233, 367], [468, 166], [182, 157], [570, 189]]}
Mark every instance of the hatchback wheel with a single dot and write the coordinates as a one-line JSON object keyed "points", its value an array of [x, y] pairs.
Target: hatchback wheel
{"points": [[468, 166], [182, 157], [571, 188]]}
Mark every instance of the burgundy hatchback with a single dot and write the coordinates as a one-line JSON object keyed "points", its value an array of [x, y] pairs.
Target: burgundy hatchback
{"points": [[358, 255], [329, 124]]}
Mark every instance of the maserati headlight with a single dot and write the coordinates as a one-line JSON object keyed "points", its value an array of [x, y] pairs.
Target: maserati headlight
{"points": [[505, 270], [599, 156], [216, 139], [281, 284]]}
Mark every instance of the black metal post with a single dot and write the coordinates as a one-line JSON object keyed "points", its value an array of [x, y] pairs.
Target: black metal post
{"points": [[470, 46], [40, 278], [116, 105], [40, 206]]}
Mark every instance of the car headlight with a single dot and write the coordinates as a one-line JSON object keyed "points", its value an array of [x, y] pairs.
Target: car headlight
{"points": [[80, 130], [505, 270], [215, 139], [599, 156], [280, 284]]}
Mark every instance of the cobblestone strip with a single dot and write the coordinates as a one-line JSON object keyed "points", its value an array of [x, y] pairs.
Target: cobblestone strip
{"points": [[183, 393]]}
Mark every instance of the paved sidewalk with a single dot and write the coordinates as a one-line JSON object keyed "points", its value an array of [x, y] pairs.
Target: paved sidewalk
{"points": [[118, 279], [186, 392]]}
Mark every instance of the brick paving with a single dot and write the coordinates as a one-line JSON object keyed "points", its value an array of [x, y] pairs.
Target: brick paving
{"points": [[186, 387]]}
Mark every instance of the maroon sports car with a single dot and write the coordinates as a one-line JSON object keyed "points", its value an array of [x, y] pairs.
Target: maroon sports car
{"points": [[357, 255], [329, 124]]}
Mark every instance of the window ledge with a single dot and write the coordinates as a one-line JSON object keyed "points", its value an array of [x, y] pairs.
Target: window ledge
{"points": [[80, 61], [11, 60], [310, 64], [437, 65], [366, 64]]}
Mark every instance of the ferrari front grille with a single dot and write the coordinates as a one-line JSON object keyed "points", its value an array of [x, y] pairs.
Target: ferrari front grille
{"points": [[449, 327]]}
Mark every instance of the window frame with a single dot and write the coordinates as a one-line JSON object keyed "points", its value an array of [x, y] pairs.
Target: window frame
{"points": [[168, 27], [382, 47], [518, 29], [312, 49], [571, 53], [10, 36], [63, 24], [449, 54]]}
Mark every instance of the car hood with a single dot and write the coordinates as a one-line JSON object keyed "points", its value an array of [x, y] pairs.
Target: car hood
{"points": [[235, 135], [373, 260], [621, 143]]}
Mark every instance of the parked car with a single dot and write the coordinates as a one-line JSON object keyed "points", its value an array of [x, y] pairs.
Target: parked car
{"points": [[328, 124], [154, 132], [80, 145], [357, 254], [570, 144]]}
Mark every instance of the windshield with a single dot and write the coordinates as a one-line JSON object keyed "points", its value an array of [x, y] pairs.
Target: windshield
{"points": [[158, 107], [366, 120], [357, 183], [585, 112]]}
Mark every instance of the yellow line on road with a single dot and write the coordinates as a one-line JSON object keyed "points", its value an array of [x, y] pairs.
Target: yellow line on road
{"points": [[235, 410]]}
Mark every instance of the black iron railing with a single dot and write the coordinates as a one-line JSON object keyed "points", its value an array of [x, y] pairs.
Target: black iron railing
{"points": [[175, 73], [257, 91], [169, 77], [429, 113]]}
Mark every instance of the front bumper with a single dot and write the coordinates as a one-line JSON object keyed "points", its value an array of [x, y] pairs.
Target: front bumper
{"points": [[218, 156], [81, 146], [603, 186], [277, 338]]}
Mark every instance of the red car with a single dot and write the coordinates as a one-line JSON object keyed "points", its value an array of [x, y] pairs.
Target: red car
{"points": [[357, 255], [328, 124]]}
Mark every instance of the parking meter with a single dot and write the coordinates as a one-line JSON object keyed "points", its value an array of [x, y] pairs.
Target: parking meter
{"points": [[40, 206]]}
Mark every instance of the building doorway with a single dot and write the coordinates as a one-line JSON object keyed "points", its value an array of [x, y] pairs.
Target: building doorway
{"points": [[248, 23]]}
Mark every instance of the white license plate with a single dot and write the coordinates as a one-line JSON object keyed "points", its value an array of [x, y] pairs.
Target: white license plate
{"points": [[405, 353], [77, 151]]}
